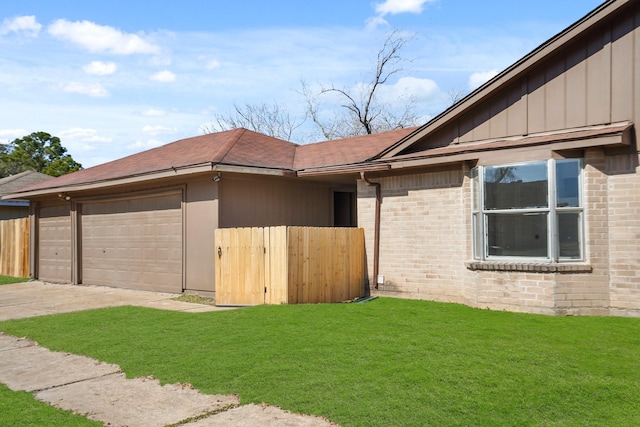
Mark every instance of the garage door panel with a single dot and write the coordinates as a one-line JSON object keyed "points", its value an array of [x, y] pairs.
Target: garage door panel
{"points": [[134, 243], [54, 244]]}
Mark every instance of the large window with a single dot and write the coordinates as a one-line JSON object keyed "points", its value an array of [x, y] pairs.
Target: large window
{"points": [[528, 210]]}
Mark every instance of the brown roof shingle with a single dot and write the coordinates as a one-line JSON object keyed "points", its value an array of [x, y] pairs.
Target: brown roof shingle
{"points": [[346, 151], [238, 147], [234, 147]]}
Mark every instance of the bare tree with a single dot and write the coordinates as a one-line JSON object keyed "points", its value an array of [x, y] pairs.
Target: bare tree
{"points": [[336, 112], [269, 119], [456, 95], [360, 110]]}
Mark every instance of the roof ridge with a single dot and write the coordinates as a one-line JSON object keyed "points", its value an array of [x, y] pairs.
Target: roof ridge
{"points": [[232, 144]]}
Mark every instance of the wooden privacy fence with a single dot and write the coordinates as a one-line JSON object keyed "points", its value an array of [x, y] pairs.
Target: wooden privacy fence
{"points": [[288, 265], [14, 247]]}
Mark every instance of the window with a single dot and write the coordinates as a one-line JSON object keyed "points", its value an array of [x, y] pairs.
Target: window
{"points": [[528, 210]]}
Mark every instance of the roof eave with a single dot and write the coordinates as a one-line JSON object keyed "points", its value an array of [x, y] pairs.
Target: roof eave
{"points": [[618, 135], [344, 169], [161, 174]]}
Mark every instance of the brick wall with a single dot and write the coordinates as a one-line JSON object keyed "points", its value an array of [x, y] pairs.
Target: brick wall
{"points": [[624, 235], [425, 244]]}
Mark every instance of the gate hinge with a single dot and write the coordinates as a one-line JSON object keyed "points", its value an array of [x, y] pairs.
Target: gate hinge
{"points": [[264, 249], [265, 289]]}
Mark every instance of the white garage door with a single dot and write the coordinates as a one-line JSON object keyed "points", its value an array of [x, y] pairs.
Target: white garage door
{"points": [[133, 243], [54, 244]]}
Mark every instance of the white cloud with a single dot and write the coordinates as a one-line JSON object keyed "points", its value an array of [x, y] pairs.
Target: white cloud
{"points": [[393, 7], [478, 79], [164, 76], [214, 64], [100, 68], [95, 90], [83, 134], [158, 130], [24, 24], [422, 90], [400, 6], [153, 112], [11, 134], [101, 38]]}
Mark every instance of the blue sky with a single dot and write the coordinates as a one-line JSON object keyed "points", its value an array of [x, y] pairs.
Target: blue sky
{"points": [[113, 78]]}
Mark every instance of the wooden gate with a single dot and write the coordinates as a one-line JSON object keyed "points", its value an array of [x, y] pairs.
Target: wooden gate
{"points": [[14, 247], [288, 265]]}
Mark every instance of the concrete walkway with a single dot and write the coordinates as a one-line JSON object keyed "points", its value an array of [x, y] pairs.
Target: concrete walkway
{"points": [[100, 391], [31, 299]]}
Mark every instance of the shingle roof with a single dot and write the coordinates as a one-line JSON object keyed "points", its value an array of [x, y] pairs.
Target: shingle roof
{"points": [[238, 147], [234, 147], [346, 151], [14, 182]]}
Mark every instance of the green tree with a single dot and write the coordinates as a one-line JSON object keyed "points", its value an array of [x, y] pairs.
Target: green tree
{"points": [[40, 152]]}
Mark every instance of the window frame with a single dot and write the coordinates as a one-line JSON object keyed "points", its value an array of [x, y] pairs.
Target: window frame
{"points": [[480, 214]]}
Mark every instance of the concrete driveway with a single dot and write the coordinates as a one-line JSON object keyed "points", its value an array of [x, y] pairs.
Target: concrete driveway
{"points": [[34, 298]]}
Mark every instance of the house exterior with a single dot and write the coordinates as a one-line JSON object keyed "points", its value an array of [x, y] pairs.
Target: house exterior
{"points": [[523, 196], [147, 221], [13, 209]]}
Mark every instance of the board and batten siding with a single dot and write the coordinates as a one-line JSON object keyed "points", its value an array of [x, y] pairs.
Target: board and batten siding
{"points": [[592, 81]]}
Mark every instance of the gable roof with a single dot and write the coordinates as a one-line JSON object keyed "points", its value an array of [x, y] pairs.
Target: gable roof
{"points": [[510, 74]]}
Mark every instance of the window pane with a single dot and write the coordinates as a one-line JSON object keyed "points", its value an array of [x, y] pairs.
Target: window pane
{"points": [[516, 187], [518, 235], [569, 235], [475, 190], [567, 183]]}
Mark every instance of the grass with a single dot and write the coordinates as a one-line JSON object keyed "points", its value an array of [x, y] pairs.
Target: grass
{"points": [[386, 362], [22, 409], [6, 280]]}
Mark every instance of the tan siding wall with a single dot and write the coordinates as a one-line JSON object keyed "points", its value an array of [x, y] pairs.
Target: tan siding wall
{"points": [[267, 201], [595, 81], [13, 212], [201, 220]]}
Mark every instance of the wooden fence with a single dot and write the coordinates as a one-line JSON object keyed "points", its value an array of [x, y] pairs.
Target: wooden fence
{"points": [[14, 247], [288, 265]]}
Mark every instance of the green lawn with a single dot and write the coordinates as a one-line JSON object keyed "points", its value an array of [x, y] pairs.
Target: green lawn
{"points": [[6, 280], [22, 409], [385, 362]]}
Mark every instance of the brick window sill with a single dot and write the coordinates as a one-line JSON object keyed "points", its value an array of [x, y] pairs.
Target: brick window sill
{"points": [[530, 267]]}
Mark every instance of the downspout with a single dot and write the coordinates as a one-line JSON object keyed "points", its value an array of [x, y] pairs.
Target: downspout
{"points": [[376, 234]]}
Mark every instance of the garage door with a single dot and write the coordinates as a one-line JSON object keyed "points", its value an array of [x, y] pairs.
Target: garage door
{"points": [[54, 244], [133, 243]]}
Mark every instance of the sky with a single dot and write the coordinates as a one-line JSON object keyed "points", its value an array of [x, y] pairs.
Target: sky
{"points": [[112, 78]]}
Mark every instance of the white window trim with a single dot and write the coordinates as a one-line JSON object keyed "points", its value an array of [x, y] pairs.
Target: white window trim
{"points": [[552, 211]]}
